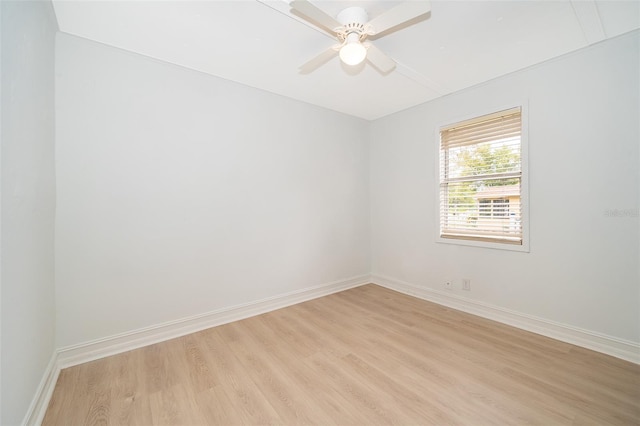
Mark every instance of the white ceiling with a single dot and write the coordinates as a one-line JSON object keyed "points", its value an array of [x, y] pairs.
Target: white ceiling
{"points": [[261, 44]]}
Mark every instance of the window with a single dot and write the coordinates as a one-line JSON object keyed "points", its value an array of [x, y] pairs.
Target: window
{"points": [[481, 175]]}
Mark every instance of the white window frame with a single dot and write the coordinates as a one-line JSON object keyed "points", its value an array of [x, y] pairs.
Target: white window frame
{"points": [[524, 183]]}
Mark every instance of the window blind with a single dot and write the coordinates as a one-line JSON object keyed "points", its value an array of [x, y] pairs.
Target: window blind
{"points": [[481, 178]]}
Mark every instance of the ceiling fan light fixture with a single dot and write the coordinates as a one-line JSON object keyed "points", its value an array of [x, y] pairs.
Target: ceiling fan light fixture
{"points": [[353, 52], [352, 26]]}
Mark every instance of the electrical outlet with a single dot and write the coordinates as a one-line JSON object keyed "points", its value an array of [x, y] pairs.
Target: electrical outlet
{"points": [[466, 284]]}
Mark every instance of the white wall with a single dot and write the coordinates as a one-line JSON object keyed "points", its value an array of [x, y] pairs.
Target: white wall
{"points": [[180, 193], [584, 138], [28, 202]]}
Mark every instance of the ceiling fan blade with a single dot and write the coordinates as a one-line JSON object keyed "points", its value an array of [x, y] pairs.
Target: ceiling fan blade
{"points": [[315, 14], [398, 15], [379, 60], [318, 61]]}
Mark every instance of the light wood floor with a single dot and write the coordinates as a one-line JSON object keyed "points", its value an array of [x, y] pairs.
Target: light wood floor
{"points": [[360, 357]]}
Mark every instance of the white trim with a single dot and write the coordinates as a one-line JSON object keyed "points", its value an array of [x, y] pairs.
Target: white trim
{"points": [[38, 408], [619, 348], [100, 348]]}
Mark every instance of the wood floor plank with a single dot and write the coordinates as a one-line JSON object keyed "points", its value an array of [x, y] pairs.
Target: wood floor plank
{"points": [[277, 384], [248, 402], [61, 405], [368, 355]]}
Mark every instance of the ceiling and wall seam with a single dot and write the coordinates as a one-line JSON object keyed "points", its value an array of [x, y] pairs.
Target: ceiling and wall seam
{"points": [[459, 45]]}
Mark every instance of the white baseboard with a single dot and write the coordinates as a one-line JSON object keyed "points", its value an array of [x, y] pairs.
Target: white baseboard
{"points": [[96, 349], [89, 351], [619, 348], [40, 402]]}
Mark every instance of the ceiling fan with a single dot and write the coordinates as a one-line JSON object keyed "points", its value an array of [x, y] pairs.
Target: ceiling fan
{"points": [[352, 26]]}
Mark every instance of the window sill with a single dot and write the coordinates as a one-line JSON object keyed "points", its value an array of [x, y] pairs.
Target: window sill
{"points": [[524, 247]]}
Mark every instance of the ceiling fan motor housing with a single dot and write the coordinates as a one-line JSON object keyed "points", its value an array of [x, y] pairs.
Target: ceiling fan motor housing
{"points": [[353, 15], [353, 20]]}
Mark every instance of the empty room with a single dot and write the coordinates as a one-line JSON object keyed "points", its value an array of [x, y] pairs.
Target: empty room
{"points": [[243, 212]]}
